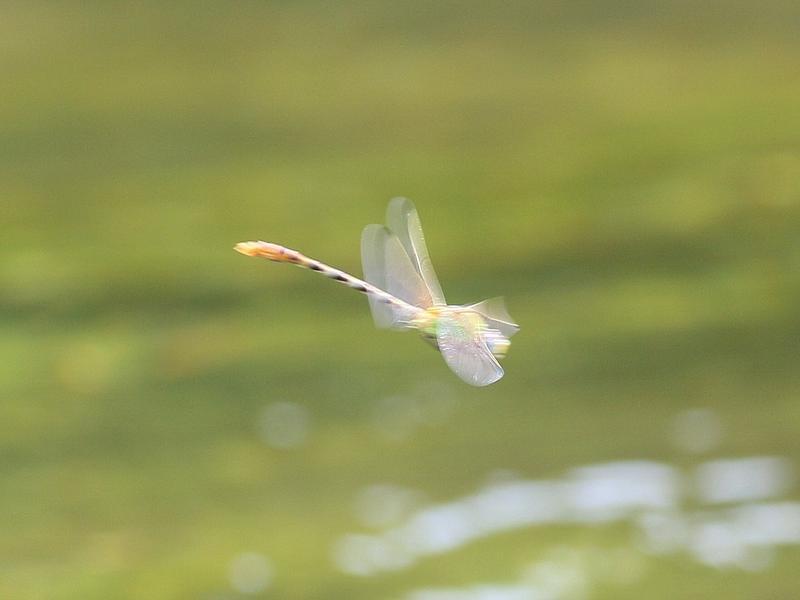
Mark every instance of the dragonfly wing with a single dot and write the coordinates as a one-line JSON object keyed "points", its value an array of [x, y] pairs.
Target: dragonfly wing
{"points": [[465, 351], [495, 313], [373, 263], [402, 219], [387, 265]]}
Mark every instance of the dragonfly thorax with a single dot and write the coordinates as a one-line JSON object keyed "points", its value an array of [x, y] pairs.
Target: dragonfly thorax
{"points": [[426, 322], [463, 322]]}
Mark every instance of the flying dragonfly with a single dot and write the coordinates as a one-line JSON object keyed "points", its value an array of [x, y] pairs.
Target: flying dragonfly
{"points": [[404, 293]]}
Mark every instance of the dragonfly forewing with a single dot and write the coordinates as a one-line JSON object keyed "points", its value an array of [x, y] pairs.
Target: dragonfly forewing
{"points": [[402, 219]]}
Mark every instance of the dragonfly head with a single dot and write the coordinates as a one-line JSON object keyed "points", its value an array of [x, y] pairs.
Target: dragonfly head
{"points": [[497, 343]]}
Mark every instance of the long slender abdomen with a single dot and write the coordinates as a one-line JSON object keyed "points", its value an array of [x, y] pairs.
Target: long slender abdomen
{"points": [[278, 253]]}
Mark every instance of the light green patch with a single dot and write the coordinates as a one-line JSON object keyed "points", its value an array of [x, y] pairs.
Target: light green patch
{"points": [[626, 174]]}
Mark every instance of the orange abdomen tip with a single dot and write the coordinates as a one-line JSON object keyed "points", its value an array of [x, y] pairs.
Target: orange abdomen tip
{"points": [[264, 249]]}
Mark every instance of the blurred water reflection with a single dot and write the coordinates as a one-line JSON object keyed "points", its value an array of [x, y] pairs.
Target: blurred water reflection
{"points": [[697, 430], [562, 574], [398, 417], [382, 505], [284, 425], [743, 479], [250, 573], [729, 513]]}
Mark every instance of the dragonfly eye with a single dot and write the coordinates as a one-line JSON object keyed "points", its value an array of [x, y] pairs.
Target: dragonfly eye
{"points": [[497, 343]]}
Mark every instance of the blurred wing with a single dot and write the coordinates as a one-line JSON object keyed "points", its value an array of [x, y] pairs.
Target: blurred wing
{"points": [[465, 352], [495, 313], [402, 219], [387, 266]]}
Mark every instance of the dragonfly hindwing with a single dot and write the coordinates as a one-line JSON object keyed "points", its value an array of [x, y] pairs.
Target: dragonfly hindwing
{"points": [[461, 342]]}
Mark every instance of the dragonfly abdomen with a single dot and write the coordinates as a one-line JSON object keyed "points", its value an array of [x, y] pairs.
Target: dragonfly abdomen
{"points": [[278, 253]]}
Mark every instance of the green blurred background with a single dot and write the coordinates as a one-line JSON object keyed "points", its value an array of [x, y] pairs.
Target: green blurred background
{"points": [[178, 421]]}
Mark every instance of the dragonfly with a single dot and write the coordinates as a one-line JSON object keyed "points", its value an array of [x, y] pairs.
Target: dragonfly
{"points": [[404, 293]]}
